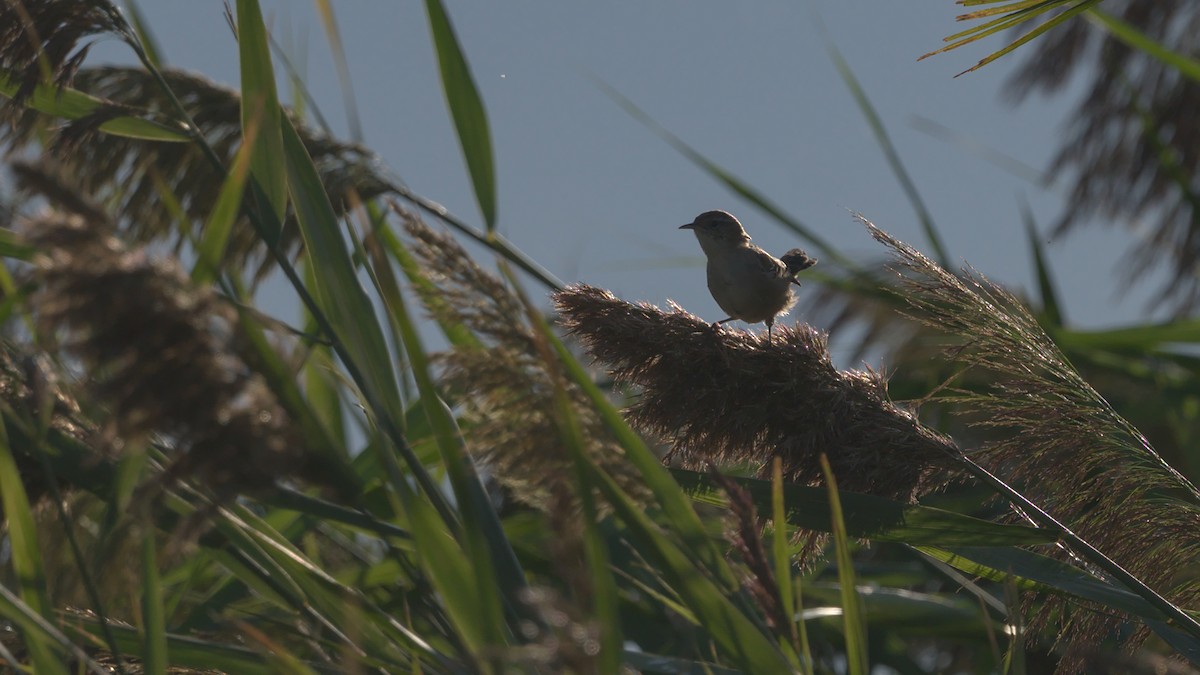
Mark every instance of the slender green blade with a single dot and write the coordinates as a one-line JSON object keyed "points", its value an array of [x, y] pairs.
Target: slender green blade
{"points": [[145, 38], [26, 559], [1051, 308], [604, 586], [260, 108], [485, 540], [12, 245], [673, 501], [869, 516], [452, 573], [738, 636], [907, 612], [456, 332], [339, 292], [466, 107], [186, 651], [782, 558], [35, 627], [154, 655], [1032, 571], [853, 618], [225, 212]]}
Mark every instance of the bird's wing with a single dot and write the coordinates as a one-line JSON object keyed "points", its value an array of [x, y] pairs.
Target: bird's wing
{"points": [[770, 265]]}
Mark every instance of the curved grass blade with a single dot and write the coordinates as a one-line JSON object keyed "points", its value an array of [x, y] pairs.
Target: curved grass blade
{"points": [[348, 308], [1127, 33], [189, 651], [72, 104], [466, 108], [910, 613], [454, 574], [456, 333], [334, 37], [1137, 339], [145, 39]]}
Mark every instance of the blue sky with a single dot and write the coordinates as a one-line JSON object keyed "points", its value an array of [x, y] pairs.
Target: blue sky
{"points": [[596, 197]]}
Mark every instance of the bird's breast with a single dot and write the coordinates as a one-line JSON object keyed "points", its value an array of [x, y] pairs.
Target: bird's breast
{"points": [[746, 286]]}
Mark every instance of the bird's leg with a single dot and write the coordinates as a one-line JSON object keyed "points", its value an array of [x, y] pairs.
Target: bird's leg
{"points": [[770, 324], [717, 324]]}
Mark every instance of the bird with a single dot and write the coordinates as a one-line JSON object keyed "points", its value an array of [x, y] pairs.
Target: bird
{"points": [[747, 282]]}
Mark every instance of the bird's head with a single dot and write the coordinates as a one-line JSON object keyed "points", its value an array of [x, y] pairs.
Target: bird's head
{"points": [[717, 226]]}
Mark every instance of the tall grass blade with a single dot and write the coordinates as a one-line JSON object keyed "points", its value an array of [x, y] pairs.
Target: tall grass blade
{"points": [[485, 540], [1051, 308], [154, 655], [673, 501], [145, 39], [334, 37], [875, 122], [260, 108], [211, 249], [738, 636], [339, 291], [868, 516], [1187, 66], [782, 558], [853, 615], [734, 184], [34, 626], [698, 572], [26, 559], [604, 586], [466, 108]]}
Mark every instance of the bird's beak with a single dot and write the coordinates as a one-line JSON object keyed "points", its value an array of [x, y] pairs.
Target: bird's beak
{"points": [[689, 226]]}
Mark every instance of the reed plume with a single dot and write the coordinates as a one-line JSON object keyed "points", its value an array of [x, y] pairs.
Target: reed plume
{"points": [[159, 353]]}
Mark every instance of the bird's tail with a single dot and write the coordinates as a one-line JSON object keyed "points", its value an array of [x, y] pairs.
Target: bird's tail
{"points": [[797, 260]]}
